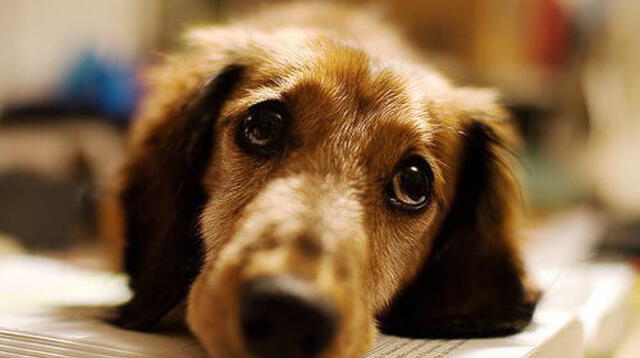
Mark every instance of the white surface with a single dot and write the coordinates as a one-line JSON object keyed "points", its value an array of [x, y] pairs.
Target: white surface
{"points": [[551, 333], [32, 288], [559, 258], [38, 317]]}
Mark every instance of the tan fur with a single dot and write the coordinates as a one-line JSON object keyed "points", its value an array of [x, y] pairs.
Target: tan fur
{"points": [[360, 100]]}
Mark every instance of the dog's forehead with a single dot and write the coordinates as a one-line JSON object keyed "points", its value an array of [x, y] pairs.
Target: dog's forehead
{"points": [[338, 92]]}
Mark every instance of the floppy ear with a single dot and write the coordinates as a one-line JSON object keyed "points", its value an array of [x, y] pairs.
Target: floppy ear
{"points": [[161, 197], [473, 283]]}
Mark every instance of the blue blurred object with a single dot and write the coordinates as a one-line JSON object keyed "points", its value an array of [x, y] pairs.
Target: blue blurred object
{"points": [[101, 86]]}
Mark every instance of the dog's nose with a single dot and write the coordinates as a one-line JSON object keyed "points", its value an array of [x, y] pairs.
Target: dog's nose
{"points": [[282, 317]]}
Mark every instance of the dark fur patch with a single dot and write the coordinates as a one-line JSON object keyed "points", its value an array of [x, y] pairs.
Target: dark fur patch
{"points": [[471, 285], [310, 246], [162, 199]]}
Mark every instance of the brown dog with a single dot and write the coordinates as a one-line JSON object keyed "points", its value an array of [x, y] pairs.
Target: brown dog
{"points": [[300, 179]]}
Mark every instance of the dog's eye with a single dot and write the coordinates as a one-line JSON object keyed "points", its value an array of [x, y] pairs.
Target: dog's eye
{"points": [[261, 132], [410, 186]]}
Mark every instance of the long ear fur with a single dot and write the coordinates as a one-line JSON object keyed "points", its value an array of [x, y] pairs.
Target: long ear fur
{"points": [[161, 198], [473, 283]]}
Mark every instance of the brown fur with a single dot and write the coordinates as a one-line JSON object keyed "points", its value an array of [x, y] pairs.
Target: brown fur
{"points": [[201, 225]]}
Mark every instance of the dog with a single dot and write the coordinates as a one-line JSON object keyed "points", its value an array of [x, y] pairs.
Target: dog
{"points": [[300, 180]]}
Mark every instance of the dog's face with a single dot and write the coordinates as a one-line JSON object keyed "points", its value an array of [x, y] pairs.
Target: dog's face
{"points": [[300, 192]]}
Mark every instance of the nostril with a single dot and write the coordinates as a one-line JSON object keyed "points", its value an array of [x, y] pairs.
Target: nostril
{"points": [[282, 317], [256, 328]]}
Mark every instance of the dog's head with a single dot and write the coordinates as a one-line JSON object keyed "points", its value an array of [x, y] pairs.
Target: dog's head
{"points": [[298, 192]]}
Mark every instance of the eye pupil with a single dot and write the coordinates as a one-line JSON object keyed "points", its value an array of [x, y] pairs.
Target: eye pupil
{"points": [[411, 184], [262, 128]]}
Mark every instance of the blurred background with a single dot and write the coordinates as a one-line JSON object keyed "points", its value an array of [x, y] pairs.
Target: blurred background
{"points": [[69, 84]]}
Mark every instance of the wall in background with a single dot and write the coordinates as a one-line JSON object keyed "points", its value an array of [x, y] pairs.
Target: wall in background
{"points": [[40, 38]]}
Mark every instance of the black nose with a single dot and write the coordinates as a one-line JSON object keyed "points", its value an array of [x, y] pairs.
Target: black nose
{"points": [[283, 317]]}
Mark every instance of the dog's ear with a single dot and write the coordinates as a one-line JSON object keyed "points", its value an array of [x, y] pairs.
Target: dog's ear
{"points": [[162, 194], [472, 284]]}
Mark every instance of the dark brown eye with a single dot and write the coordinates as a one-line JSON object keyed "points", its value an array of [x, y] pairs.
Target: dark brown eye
{"points": [[411, 185], [261, 132]]}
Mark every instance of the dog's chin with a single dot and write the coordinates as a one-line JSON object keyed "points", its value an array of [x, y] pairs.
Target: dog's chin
{"points": [[236, 312]]}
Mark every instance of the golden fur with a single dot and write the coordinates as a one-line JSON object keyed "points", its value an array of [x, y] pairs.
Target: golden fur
{"points": [[360, 101]]}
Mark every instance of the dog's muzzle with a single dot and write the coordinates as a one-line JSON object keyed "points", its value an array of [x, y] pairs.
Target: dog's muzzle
{"points": [[283, 317]]}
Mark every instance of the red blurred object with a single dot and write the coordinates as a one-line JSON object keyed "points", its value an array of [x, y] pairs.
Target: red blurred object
{"points": [[550, 33]]}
